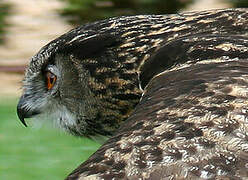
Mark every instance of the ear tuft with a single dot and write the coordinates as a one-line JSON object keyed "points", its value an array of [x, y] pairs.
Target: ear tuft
{"points": [[91, 47]]}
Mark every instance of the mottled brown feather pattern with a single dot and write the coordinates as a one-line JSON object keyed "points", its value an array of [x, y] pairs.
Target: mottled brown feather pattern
{"points": [[185, 126], [191, 122], [117, 56]]}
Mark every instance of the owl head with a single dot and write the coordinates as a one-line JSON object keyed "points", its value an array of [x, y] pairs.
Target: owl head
{"points": [[84, 81]]}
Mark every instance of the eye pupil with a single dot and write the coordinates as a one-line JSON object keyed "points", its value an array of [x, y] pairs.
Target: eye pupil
{"points": [[51, 80]]}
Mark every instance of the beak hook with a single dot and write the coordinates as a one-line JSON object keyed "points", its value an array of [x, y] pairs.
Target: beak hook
{"points": [[21, 116]]}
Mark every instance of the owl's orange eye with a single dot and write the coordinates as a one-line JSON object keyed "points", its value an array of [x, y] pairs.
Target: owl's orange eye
{"points": [[50, 80]]}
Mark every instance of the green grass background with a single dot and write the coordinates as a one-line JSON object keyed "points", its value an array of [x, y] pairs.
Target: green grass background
{"points": [[41, 154]]}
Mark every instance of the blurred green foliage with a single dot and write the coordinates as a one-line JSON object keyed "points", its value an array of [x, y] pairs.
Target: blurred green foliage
{"points": [[45, 154], [239, 3], [81, 11], [4, 11]]}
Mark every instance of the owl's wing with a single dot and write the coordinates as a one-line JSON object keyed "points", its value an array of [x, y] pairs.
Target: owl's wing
{"points": [[191, 121]]}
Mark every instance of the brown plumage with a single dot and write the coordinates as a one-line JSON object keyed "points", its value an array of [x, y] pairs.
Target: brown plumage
{"points": [[191, 121]]}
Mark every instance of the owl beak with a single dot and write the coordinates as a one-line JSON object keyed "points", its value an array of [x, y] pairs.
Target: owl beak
{"points": [[23, 112]]}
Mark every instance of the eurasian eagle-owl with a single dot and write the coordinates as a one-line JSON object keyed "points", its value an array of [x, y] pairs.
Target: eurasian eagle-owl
{"points": [[175, 85]]}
